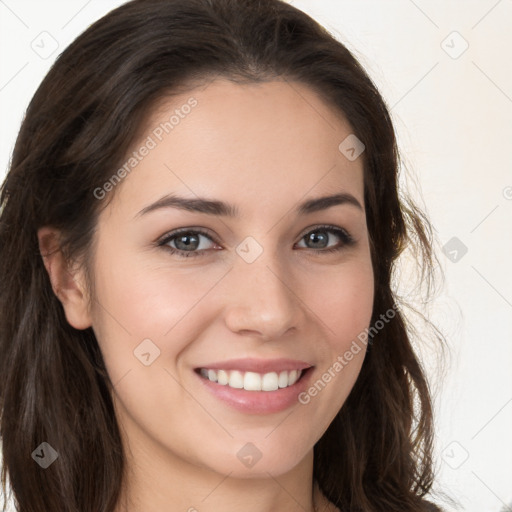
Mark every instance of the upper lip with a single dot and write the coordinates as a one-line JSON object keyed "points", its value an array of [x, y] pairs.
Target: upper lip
{"points": [[258, 365]]}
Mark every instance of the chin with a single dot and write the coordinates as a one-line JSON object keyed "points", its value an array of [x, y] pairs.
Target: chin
{"points": [[254, 460]]}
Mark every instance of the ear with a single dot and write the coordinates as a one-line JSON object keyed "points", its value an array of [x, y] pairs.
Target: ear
{"points": [[68, 284]]}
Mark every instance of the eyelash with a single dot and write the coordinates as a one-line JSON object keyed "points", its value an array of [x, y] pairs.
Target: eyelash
{"points": [[346, 240]]}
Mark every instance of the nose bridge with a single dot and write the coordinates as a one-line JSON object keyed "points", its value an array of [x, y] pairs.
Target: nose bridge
{"points": [[261, 297]]}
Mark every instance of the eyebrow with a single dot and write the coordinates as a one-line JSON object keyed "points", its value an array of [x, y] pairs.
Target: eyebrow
{"points": [[215, 207]]}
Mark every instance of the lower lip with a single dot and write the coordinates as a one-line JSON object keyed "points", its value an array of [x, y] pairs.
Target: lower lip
{"points": [[258, 402]]}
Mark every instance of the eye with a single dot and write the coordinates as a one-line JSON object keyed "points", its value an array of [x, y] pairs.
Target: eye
{"points": [[319, 238], [187, 242]]}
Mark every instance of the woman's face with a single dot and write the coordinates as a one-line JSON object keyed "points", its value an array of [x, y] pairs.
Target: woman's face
{"points": [[259, 289]]}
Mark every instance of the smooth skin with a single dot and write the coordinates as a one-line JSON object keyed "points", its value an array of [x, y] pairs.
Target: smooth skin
{"points": [[264, 148]]}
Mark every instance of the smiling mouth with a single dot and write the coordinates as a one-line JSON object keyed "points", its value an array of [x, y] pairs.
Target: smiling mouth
{"points": [[252, 381]]}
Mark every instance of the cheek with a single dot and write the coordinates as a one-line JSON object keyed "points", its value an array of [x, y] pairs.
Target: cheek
{"points": [[346, 309], [136, 302], [345, 303]]}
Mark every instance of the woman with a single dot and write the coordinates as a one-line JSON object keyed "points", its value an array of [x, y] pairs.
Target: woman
{"points": [[198, 233]]}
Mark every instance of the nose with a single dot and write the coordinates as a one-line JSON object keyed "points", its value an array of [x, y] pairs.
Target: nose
{"points": [[262, 300]]}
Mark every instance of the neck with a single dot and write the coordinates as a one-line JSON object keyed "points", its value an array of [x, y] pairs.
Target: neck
{"points": [[153, 483]]}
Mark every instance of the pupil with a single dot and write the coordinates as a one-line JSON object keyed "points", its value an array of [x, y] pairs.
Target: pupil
{"points": [[315, 238], [187, 245]]}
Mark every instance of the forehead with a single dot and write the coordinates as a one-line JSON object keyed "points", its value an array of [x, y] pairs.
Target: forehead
{"points": [[251, 144]]}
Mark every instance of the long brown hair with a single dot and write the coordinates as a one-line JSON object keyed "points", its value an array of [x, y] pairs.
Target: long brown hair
{"points": [[377, 453]]}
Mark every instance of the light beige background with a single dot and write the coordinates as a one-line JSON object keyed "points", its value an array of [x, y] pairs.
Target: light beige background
{"points": [[452, 108]]}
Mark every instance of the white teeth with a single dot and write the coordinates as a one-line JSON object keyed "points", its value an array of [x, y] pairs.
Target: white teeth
{"points": [[269, 382], [283, 379], [222, 377], [252, 381], [236, 379]]}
